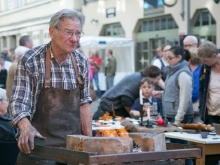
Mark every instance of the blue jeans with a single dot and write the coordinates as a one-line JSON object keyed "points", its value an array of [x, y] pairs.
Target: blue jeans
{"points": [[96, 79], [185, 120], [110, 81]]}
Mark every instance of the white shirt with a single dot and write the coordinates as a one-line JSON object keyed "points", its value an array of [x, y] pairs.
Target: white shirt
{"points": [[157, 63]]}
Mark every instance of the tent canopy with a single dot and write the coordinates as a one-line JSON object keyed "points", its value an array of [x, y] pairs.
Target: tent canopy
{"points": [[105, 42]]}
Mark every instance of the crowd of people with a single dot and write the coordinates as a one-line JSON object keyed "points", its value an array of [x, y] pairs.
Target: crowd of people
{"points": [[189, 91], [186, 85], [48, 87]]}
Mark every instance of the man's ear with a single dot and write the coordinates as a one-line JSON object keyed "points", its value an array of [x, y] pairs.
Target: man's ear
{"points": [[51, 32]]}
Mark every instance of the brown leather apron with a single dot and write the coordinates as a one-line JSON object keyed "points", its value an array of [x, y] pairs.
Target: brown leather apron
{"points": [[57, 115]]}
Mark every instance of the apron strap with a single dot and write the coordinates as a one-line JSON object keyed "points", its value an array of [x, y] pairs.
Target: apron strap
{"points": [[47, 68], [80, 83]]}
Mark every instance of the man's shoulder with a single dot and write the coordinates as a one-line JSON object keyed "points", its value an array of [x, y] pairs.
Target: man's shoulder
{"points": [[80, 54]]}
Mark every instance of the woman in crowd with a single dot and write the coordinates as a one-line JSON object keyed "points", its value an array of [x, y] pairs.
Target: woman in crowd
{"points": [[95, 62], [177, 104], [209, 86], [176, 100], [122, 95], [6, 132]]}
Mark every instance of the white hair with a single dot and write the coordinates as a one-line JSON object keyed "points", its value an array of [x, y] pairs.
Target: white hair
{"points": [[20, 51], [2, 94], [195, 40]]}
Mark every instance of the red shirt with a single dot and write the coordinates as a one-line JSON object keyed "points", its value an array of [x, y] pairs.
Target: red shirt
{"points": [[95, 61]]}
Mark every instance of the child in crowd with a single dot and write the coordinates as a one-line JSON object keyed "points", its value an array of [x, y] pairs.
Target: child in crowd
{"points": [[147, 87]]}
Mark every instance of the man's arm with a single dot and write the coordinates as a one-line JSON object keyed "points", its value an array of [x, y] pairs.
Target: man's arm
{"points": [[21, 106], [86, 119]]}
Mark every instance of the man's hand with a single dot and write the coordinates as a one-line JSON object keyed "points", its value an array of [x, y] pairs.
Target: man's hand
{"points": [[27, 135]]}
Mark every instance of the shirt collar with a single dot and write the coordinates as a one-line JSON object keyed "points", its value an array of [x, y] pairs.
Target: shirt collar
{"points": [[68, 60]]}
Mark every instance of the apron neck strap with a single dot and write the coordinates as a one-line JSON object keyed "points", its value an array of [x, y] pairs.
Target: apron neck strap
{"points": [[47, 68], [80, 82]]}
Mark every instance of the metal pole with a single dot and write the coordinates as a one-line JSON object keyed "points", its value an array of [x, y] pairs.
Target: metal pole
{"points": [[188, 18]]}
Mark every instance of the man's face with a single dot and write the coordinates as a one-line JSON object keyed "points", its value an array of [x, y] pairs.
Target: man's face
{"points": [[209, 61], [189, 43], [60, 38]]}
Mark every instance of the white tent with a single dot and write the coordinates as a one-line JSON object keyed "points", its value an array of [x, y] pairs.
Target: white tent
{"points": [[123, 51]]}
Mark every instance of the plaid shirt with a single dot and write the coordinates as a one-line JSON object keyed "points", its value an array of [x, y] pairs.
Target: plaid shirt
{"points": [[29, 81]]}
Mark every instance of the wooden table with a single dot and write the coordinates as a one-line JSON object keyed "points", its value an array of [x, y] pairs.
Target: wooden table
{"points": [[132, 125], [209, 145]]}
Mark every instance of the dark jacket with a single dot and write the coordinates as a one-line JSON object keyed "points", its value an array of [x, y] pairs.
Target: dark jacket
{"points": [[6, 132], [204, 78]]}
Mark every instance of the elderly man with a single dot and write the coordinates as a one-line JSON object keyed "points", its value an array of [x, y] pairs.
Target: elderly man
{"points": [[190, 41], [50, 97], [19, 52]]}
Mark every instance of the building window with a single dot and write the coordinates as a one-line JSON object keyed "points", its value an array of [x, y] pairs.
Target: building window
{"points": [[163, 23], [204, 26], [141, 55], [145, 27], [113, 30], [170, 23], [110, 12], [159, 23], [197, 23], [204, 19], [151, 25], [108, 31], [153, 4]]}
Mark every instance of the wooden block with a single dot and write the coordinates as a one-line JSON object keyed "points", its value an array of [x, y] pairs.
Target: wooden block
{"points": [[153, 142], [101, 145], [137, 137]]}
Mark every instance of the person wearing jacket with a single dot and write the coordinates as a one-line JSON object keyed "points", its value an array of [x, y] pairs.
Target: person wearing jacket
{"points": [[176, 99], [110, 69], [7, 134], [209, 86]]}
